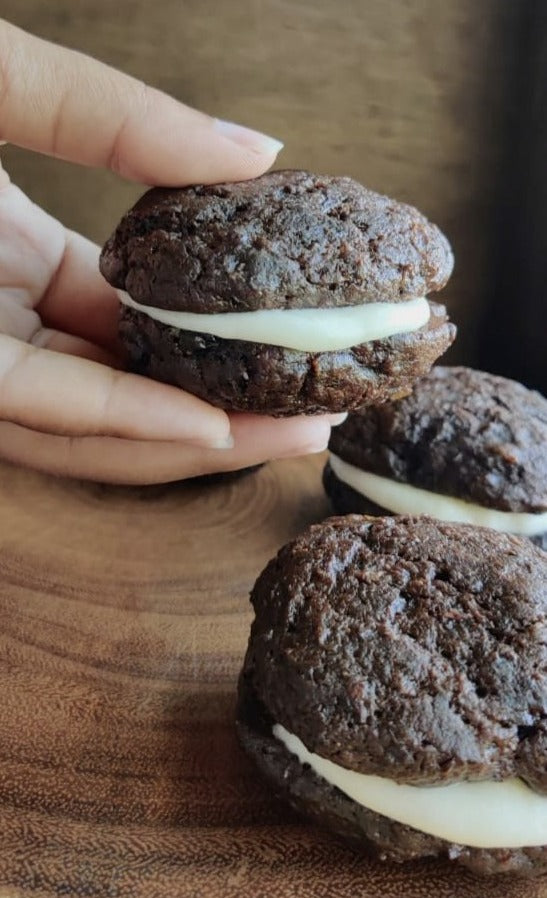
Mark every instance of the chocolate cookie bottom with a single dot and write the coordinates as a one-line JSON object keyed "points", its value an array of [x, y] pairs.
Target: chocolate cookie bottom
{"points": [[241, 376], [346, 500], [379, 836]]}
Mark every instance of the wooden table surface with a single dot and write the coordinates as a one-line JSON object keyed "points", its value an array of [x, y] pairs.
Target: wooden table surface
{"points": [[124, 616]]}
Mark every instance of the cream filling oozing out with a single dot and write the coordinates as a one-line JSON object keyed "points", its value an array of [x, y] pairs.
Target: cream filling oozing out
{"points": [[402, 498], [486, 814], [307, 330]]}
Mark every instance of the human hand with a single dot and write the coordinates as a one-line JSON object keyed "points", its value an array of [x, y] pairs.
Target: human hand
{"points": [[65, 407]]}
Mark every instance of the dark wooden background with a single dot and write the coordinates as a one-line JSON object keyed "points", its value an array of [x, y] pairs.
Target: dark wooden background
{"points": [[440, 104]]}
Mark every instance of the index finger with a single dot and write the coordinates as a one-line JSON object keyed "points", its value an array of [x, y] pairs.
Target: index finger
{"points": [[66, 104]]}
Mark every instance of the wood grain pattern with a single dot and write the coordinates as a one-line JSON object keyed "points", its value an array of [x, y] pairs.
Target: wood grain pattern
{"points": [[123, 619], [411, 99]]}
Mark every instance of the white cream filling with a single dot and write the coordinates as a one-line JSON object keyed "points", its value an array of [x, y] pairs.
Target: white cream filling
{"points": [[308, 330], [402, 498], [485, 814]]}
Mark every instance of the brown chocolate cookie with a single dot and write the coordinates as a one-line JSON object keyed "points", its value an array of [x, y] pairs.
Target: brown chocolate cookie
{"points": [[243, 376], [288, 240], [406, 648], [346, 500], [381, 837], [461, 433]]}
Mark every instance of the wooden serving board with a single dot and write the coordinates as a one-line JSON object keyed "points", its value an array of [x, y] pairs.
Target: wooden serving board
{"points": [[124, 616]]}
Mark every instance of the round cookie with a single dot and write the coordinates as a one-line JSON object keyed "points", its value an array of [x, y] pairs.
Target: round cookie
{"points": [[461, 435], [250, 295], [409, 650]]}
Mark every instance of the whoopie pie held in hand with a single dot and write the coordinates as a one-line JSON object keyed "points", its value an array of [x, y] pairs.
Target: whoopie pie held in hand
{"points": [[288, 294], [465, 446], [395, 688]]}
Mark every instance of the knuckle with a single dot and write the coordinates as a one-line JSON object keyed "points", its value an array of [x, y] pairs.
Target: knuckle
{"points": [[138, 103]]}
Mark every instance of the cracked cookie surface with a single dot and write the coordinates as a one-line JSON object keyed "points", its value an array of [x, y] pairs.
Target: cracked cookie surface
{"points": [[406, 648], [289, 239], [462, 433], [409, 647]]}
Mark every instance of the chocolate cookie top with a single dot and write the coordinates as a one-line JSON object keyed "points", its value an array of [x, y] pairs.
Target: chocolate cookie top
{"points": [[289, 239], [408, 648], [461, 433]]}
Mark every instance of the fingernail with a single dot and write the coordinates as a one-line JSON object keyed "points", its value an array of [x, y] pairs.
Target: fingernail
{"points": [[336, 420], [246, 137]]}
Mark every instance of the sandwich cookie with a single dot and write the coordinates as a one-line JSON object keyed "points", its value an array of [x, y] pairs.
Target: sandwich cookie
{"points": [[288, 294], [465, 446], [395, 688]]}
